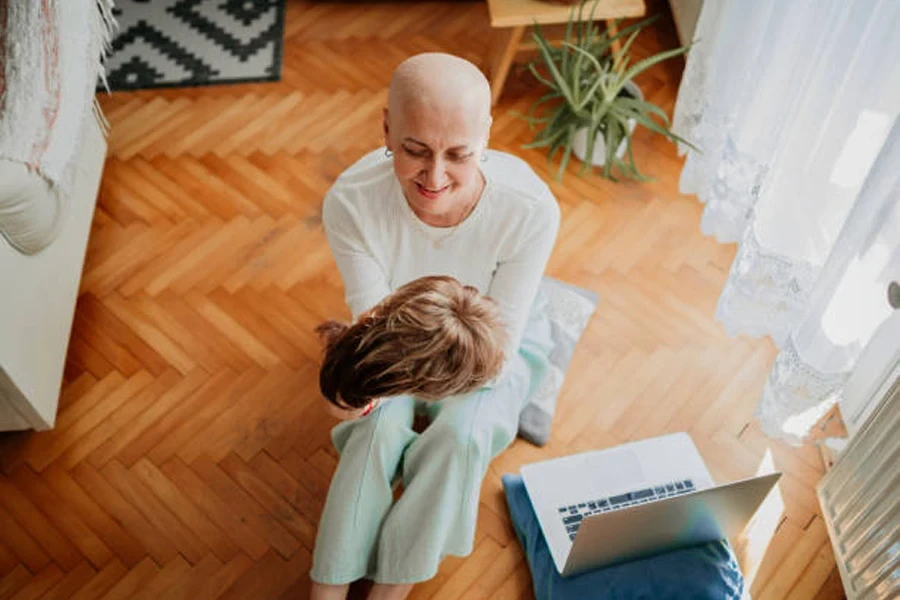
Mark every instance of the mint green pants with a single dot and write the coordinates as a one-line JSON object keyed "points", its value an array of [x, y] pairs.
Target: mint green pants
{"points": [[363, 532]]}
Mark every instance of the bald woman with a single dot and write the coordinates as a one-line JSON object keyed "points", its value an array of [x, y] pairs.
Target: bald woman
{"points": [[434, 201]]}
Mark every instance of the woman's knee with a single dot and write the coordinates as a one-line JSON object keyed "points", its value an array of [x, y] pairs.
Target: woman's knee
{"points": [[392, 430], [388, 425], [458, 440], [478, 425]]}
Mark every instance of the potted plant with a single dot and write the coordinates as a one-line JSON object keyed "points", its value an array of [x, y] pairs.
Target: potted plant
{"points": [[592, 103]]}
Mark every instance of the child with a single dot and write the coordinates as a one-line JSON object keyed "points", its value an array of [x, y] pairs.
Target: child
{"points": [[431, 338]]}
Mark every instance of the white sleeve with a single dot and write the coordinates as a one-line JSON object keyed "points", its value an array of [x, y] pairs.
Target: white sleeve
{"points": [[517, 278], [365, 281]]}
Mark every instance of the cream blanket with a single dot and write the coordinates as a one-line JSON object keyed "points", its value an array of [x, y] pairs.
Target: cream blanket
{"points": [[50, 52]]}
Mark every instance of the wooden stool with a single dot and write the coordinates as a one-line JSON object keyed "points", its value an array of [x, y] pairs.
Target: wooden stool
{"points": [[511, 17]]}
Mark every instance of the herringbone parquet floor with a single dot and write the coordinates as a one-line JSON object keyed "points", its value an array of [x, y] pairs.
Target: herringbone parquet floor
{"points": [[191, 454]]}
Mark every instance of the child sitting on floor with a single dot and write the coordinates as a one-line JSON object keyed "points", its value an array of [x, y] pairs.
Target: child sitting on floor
{"points": [[431, 338]]}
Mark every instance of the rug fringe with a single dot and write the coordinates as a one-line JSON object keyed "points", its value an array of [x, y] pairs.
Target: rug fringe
{"points": [[104, 28]]}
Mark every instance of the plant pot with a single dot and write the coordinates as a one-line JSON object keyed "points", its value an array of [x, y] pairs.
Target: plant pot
{"points": [[579, 142]]}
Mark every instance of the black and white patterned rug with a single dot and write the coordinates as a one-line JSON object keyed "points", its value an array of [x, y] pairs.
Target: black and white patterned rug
{"points": [[165, 43]]}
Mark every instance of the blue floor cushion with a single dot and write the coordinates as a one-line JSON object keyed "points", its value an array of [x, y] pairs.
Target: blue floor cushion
{"points": [[709, 571]]}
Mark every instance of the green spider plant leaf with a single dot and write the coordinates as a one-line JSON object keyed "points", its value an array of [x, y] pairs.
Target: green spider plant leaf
{"points": [[561, 82], [567, 153], [591, 29], [530, 115], [605, 41], [634, 172], [590, 93], [653, 126], [591, 142], [568, 39], [645, 64], [546, 141], [643, 107], [543, 79], [622, 55]]}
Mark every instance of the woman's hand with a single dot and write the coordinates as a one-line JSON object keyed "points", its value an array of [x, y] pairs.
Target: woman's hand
{"points": [[355, 413]]}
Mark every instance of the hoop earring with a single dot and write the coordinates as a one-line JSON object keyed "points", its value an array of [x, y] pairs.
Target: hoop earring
{"points": [[388, 153]]}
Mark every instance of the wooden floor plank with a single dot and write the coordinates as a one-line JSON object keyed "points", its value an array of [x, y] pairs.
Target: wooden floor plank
{"points": [[63, 516], [832, 588], [8, 560], [501, 568], [294, 522], [40, 446], [101, 582], [516, 586], [466, 576], [188, 583], [129, 585], [205, 409], [246, 506], [186, 511], [307, 502], [157, 544], [17, 539], [792, 568], [108, 326], [270, 576], [217, 509], [242, 415], [129, 433], [71, 583], [223, 579], [14, 581], [40, 584], [130, 410], [159, 437], [815, 575], [170, 576], [157, 514], [306, 474], [114, 534], [102, 409]]}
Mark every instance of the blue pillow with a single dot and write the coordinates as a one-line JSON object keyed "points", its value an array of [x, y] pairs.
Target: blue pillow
{"points": [[696, 573]]}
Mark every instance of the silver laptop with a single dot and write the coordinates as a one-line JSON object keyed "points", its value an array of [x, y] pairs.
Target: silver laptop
{"points": [[642, 498]]}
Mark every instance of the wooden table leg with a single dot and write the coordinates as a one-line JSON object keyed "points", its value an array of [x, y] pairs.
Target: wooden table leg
{"points": [[505, 45]]}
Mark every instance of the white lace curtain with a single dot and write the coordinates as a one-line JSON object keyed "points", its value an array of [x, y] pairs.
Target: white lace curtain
{"points": [[793, 105]]}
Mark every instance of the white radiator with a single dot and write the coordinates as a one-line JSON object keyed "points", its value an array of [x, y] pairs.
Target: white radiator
{"points": [[860, 499]]}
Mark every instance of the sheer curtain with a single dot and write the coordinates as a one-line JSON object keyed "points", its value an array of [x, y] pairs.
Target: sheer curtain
{"points": [[793, 105]]}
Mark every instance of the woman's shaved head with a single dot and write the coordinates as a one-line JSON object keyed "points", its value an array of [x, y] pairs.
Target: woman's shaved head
{"points": [[441, 82]]}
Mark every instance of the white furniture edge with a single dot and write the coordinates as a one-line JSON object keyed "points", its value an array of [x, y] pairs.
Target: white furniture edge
{"points": [[37, 302]]}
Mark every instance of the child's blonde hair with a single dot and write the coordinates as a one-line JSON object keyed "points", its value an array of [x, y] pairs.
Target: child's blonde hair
{"points": [[431, 338]]}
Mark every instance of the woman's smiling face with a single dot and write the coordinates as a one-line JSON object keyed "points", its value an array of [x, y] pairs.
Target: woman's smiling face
{"points": [[437, 151]]}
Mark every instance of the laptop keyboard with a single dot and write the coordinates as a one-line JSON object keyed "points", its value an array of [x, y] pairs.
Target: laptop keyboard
{"points": [[573, 515]]}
